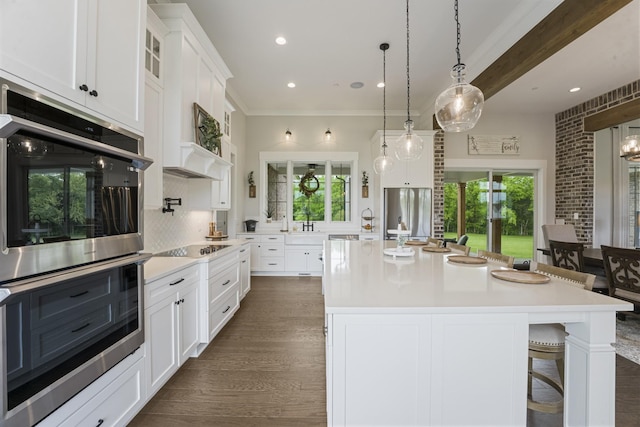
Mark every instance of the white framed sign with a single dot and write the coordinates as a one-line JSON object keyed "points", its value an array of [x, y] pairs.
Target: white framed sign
{"points": [[493, 144]]}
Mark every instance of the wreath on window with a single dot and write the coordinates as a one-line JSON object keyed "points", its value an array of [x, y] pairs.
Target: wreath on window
{"points": [[307, 186]]}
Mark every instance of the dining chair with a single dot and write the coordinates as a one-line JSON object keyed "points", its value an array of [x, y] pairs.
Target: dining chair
{"points": [[459, 249], [546, 341], [496, 258], [570, 255], [622, 268], [432, 241], [559, 232]]}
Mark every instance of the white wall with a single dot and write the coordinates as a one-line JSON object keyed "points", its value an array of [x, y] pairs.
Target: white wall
{"points": [[352, 134]]}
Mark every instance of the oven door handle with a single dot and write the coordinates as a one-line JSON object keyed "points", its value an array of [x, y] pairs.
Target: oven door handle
{"points": [[30, 284], [9, 125]]}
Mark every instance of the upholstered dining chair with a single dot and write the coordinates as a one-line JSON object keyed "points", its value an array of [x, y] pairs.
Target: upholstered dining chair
{"points": [[432, 241], [459, 249], [496, 258], [622, 268], [546, 341]]}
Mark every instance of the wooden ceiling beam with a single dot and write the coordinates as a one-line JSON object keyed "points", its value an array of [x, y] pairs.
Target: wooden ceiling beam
{"points": [[567, 22], [610, 117]]}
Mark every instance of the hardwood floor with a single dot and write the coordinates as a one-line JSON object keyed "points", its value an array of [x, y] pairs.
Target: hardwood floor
{"points": [[267, 368]]}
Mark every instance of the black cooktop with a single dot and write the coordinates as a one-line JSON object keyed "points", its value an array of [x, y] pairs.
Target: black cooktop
{"points": [[193, 251]]}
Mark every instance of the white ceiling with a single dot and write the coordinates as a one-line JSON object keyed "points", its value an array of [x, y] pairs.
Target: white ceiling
{"points": [[332, 43]]}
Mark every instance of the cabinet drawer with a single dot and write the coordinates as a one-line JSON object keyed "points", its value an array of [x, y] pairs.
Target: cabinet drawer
{"points": [[272, 264], [74, 334], [57, 303], [249, 237], [222, 311], [223, 281], [271, 249], [276, 238], [115, 405], [159, 289]]}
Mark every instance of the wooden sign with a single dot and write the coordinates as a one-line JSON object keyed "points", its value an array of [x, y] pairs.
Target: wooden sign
{"points": [[493, 144]]}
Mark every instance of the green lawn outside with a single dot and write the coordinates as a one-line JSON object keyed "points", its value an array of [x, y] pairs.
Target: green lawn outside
{"points": [[519, 247]]}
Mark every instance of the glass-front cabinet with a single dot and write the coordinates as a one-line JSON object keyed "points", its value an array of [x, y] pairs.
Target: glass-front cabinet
{"points": [[312, 189]]}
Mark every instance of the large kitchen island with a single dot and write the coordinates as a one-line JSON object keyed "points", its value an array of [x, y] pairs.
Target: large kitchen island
{"points": [[420, 341]]}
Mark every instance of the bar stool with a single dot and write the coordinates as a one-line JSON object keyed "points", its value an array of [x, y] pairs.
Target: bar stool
{"points": [[546, 341]]}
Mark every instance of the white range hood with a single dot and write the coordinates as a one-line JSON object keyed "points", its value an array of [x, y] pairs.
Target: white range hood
{"points": [[196, 162]]}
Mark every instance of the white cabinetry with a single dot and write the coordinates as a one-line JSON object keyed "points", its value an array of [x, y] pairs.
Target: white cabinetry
{"points": [[154, 107], [171, 324], [245, 270], [206, 194], [416, 173], [306, 260], [220, 292], [111, 400], [88, 52], [267, 252], [195, 72], [418, 369]]}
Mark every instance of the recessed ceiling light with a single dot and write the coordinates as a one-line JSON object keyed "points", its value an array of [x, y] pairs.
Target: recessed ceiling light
{"points": [[574, 89], [356, 85], [281, 40], [291, 85], [381, 84]]}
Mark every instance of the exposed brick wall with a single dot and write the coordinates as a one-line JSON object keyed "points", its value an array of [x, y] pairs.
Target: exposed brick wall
{"points": [[575, 159], [438, 185]]}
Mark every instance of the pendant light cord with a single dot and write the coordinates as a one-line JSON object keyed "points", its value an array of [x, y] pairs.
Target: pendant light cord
{"points": [[384, 99], [408, 84], [455, 8]]}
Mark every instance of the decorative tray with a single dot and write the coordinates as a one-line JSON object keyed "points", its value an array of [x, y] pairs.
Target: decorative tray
{"points": [[518, 276], [216, 237], [464, 259], [435, 249], [415, 243], [396, 252]]}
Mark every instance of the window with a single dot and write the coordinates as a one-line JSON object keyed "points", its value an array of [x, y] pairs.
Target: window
{"points": [[317, 190]]}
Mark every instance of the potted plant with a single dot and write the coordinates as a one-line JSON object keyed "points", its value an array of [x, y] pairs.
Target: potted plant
{"points": [[365, 185], [252, 185], [269, 211]]}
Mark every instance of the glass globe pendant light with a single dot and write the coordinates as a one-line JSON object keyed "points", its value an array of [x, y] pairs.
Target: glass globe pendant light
{"points": [[630, 148], [383, 163], [458, 108], [409, 146]]}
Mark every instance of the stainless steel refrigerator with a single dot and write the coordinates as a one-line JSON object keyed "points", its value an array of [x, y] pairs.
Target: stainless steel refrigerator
{"points": [[412, 206]]}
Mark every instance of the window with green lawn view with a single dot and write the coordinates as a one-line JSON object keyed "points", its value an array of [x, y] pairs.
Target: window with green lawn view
{"points": [[319, 191]]}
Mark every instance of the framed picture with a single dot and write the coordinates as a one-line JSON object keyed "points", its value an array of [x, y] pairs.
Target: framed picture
{"points": [[207, 130]]}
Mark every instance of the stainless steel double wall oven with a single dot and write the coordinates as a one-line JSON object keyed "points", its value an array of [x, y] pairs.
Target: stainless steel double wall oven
{"points": [[71, 271]]}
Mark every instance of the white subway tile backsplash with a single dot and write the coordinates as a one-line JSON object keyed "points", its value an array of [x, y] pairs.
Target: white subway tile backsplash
{"points": [[164, 231]]}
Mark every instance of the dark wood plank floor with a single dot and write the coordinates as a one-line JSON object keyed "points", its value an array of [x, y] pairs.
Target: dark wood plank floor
{"points": [[267, 368]]}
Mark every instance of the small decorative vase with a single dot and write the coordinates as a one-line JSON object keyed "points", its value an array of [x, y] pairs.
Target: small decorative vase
{"points": [[365, 191]]}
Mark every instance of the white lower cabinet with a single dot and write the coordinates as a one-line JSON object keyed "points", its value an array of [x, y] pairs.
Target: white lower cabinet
{"points": [[420, 369], [267, 252], [304, 259], [171, 324], [245, 271], [111, 400]]}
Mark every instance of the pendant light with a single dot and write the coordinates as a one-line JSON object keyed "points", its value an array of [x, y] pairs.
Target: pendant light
{"points": [[630, 148], [383, 163], [458, 108], [409, 146]]}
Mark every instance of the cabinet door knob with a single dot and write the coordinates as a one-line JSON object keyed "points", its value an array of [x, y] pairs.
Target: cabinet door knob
{"points": [[83, 88], [93, 93]]}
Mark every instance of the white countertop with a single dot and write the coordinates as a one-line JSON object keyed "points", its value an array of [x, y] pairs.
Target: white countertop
{"points": [[358, 278], [159, 266]]}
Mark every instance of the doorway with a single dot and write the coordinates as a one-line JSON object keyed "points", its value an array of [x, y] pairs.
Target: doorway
{"points": [[495, 208]]}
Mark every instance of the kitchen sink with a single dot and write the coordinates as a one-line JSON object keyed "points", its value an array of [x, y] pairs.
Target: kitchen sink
{"points": [[305, 238]]}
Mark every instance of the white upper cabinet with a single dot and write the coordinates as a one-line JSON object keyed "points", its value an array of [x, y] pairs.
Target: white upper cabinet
{"points": [[89, 52], [195, 72], [154, 110], [416, 173]]}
